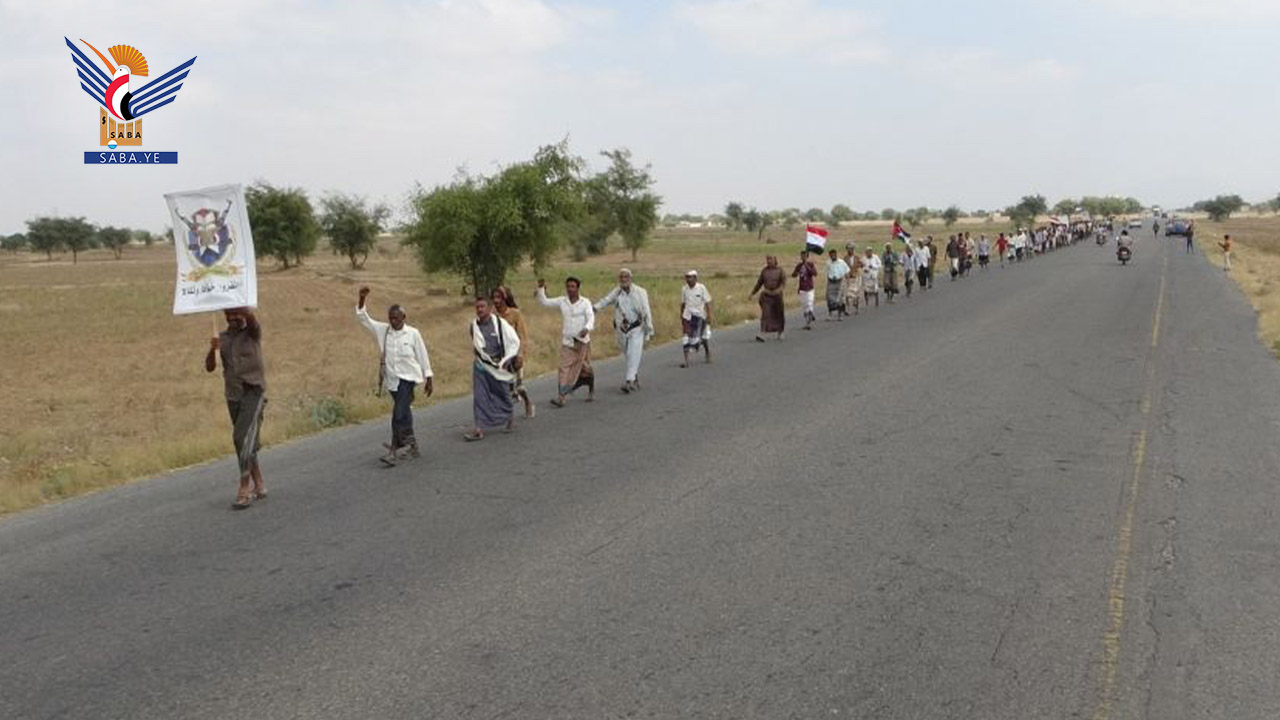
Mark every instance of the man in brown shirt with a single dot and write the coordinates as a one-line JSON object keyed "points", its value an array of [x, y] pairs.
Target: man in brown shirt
{"points": [[240, 347]]}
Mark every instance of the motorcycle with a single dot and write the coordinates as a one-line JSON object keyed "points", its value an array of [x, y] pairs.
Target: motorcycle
{"points": [[1123, 254], [1101, 238]]}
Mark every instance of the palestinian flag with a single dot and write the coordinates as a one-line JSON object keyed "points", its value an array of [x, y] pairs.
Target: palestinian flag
{"points": [[815, 238], [899, 233]]}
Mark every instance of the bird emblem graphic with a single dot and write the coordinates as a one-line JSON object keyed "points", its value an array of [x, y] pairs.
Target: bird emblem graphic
{"points": [[113, 89]]}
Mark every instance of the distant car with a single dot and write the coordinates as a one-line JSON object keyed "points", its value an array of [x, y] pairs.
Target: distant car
{"points": [[1135, 223], [1177, 227]]}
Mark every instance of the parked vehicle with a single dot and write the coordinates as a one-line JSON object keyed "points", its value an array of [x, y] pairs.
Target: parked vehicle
{"points": [[1177, 227]]}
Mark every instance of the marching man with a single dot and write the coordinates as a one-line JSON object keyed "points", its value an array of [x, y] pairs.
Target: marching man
{"points": [[633, 323], [240, 347], [405, 365]]}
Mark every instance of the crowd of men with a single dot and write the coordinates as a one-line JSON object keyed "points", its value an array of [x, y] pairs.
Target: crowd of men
{"points": [[499, 332]]}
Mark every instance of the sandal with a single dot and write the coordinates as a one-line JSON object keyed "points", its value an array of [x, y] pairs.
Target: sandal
{"points": [[558, 403], [260, 494], [243, 500], [472, 437]]}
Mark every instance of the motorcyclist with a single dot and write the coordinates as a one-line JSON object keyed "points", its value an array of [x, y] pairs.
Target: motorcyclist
{"points": [[1124, 245]]}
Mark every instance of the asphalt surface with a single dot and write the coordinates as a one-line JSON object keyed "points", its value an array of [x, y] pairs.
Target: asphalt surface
{"points": [[1012, 497]]}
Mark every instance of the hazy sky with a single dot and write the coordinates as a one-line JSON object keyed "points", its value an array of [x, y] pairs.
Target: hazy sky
{"points": [[772, 102]]}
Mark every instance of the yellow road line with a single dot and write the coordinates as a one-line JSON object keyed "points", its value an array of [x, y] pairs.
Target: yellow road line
{"points": [[1116, 590]]}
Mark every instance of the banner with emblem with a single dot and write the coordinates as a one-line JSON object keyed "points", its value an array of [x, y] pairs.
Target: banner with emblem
{"points": [[214, 245]]}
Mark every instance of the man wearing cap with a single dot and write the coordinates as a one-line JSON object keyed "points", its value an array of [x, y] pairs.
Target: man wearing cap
{"points": [[695, 316], [632, 323]]}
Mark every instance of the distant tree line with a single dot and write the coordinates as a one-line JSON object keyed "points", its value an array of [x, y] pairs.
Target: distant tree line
{"points": [[478, 226], [51, 235]]}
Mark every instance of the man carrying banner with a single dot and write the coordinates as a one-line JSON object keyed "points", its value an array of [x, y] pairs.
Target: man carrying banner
{"points": [[240, 348], [405, 365], [806, 271], [632, 324]]}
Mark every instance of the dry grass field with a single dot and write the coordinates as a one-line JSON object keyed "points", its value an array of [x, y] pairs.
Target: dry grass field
{"points": [[1255, 265], [100, 383]]}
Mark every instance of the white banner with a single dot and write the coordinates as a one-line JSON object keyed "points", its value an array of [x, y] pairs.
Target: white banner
{"points": [[215, 250]]}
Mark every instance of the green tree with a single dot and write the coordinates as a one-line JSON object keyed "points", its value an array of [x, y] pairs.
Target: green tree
{"points": [[1275, 203], [789, 218], [352, 226], [482, 227], [733, 213], [1221, 207], [888, 214], [114, 239], [146, 237], [284, 225], [841, 213], [752, 219], [1065, 206], [629, 203], [1132, 206], [13, 243], [55, 234], [951, 215], [815, 215]]}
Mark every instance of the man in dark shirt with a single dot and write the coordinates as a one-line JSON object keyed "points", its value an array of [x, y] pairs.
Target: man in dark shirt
{"points": [[240, 347], [806, 271]]}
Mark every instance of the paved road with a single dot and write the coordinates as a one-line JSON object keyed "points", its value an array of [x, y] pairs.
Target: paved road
{"points": [[1011, 498]]}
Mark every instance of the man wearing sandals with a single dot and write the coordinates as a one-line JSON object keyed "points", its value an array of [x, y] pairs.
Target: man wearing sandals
{"points": [[240, 347], [632, 323], [496, 344], [579, 319], [405, 365]]}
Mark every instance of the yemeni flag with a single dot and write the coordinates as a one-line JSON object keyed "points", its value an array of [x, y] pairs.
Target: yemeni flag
{"points": [[899, 233], [815, 238]]}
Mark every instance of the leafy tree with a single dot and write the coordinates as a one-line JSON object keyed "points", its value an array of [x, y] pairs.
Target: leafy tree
{"points": [[114, 239], [1275, 203], [1132, 206], [146, 237], [788, 218], [951, 215], [888, 214], [873, 215], [54, 234], [284, 225], [733, 213], [815, 215], [352, 226], [841, 213], [13, 243], [766, 220], [482, 227], [629, 204], [1221, 207], [1065, 206], [752, 219]]}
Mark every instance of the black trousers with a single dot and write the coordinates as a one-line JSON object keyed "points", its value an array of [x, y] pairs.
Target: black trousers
{"points": [[402, 416]]}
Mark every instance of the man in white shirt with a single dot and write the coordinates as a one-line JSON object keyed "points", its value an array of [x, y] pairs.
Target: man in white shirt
{"points": [[405, 364], [923, 261], [632, 324], [695, 317], [871, 266], [579, 319], [837, 272]]}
